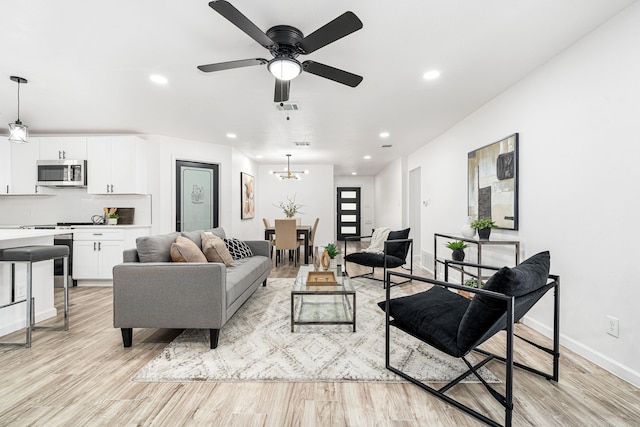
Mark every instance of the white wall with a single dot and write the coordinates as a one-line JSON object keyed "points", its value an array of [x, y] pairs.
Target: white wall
{"points": [[315, 191], [389, 195], [579, 145], [367, 199]]}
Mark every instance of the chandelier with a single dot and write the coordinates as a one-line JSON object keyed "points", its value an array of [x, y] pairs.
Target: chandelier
{"points": [[288, 173]]}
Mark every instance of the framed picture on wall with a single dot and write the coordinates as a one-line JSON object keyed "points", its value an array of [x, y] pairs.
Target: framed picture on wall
{"points": [[247, 191], [493, 182]]}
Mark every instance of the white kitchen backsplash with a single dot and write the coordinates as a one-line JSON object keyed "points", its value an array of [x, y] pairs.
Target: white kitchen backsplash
{"points": [[68, 205]]}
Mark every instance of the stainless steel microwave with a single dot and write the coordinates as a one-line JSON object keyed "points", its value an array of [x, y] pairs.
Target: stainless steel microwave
{"points": [[62, 173]]}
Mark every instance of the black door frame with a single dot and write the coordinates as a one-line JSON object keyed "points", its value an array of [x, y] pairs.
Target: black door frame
{"points": [[340, 212]]}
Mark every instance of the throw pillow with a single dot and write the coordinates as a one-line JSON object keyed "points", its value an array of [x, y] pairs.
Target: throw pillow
{"points": [[238, 248], [184, 250], [215, 249]]}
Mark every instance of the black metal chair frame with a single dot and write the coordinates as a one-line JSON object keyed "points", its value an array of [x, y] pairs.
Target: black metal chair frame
{"points": [[505, 400], [370, 275]]}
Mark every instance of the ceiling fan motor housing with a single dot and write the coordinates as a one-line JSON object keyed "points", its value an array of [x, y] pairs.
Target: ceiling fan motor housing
{"points": [[285, 38]]}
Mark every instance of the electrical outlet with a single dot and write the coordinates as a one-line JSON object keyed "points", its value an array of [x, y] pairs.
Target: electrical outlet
{"points": [[613, 326], [20, 292]]}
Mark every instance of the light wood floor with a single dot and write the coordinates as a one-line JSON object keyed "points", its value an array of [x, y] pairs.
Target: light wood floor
{"points": [[82, 378]]}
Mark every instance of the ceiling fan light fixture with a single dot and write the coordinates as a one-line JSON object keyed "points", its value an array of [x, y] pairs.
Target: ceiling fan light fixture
{"points": [[18, 132], [284, 68]]}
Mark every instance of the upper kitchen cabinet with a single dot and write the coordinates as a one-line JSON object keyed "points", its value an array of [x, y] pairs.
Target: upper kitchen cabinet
{"points": [[63, 148], [24, 173], [116, 165]]}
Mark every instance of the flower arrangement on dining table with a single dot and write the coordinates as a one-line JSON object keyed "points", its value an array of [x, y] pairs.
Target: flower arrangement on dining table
{"points": [[290, 207]]}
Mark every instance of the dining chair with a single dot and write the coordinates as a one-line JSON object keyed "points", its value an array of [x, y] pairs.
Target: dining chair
{"points": [[272, 238], [286, 238]]}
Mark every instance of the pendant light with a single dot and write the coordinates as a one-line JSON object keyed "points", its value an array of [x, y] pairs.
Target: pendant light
{"points": [[18, 132], [288, 174]]}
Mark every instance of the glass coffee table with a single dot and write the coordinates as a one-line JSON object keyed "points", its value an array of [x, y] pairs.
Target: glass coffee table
{"points": [[321, 304]]}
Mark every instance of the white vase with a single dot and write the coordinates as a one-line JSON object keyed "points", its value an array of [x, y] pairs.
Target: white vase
{"points": [[467, 231], [112, 221]]}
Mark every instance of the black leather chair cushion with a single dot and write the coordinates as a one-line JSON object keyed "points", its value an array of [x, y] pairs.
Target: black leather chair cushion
{"points": [[34, 253], [374, 260], [433, 316], [524, 281], [398, 250]]}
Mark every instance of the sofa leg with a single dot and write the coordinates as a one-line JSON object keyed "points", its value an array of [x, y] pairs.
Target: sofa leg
{"points": [[215, 333], [127, 336]]}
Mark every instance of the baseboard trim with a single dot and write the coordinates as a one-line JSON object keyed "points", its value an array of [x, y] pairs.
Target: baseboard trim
{"points": [[605, 362]]}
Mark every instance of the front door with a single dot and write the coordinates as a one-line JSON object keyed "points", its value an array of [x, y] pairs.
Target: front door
{"points": [[348, 206]]}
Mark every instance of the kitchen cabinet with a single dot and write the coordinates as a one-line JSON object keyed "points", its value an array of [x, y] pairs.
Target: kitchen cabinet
{"points": [[116, 165], [95, 252], [97, 249], [24, 174], [63, 147], [5, 165]]}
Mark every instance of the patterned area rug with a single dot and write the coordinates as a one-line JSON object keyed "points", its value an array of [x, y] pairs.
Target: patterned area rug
{"points": [[257, 345]]}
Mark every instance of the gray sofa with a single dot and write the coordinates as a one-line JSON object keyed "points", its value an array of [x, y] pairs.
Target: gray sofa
{"points": [[150, 291]]}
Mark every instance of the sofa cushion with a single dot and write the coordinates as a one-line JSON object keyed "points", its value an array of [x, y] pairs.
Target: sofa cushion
{"points": [[244, 274], [215, 250], [238, 248], [155, 248], [184, 250]]}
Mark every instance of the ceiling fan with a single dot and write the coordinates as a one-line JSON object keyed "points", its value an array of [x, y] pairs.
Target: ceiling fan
{"points": [[285, 43]]}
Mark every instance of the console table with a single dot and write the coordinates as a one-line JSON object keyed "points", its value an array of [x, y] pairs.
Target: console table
{"points": [[480, 243]]}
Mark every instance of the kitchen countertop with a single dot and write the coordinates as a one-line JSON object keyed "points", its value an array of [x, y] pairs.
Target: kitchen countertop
{"points": [[14, 234]]}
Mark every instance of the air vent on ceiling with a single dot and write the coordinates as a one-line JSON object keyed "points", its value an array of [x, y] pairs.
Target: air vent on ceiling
{"points": [[288, 106], [302, 143], [387, 146]]}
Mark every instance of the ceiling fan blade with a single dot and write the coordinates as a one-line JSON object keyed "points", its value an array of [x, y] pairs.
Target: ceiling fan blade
{"points": [[340, 76], [232, 64], [234, 16], [343, 25], [282, 90]]}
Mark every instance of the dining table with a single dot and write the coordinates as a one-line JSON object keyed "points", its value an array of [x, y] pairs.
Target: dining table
{"points": [[302, 230]]}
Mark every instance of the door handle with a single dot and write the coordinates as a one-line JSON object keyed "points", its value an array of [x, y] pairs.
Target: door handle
{"points": [[112, 188], [94, 246], [99, 244], [59, 154]]}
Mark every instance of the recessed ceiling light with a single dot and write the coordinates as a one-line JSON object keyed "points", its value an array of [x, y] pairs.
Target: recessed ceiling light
{"points": [[384, 134], [430, 75], [367, 157], [232, 136], [158, 79], [259, 156], [354, 173]]}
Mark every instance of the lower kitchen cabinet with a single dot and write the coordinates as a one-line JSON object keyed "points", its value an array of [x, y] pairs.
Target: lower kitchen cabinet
{"points": [[97, 250]]}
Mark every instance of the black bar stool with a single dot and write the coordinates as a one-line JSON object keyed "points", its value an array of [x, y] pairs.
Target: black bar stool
{"points": [[28, 255]]}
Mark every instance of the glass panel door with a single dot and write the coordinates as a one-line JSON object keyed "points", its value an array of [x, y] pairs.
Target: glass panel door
{"points": [[348, 212]]}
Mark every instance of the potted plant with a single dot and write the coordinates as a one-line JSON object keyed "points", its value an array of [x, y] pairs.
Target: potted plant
{"points": [[329, 255], [458, 248], [484, 226], [113, 217], [290, 208]]}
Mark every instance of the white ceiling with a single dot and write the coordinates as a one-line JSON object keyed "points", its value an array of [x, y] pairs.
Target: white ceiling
{"points": [[88, 64]]}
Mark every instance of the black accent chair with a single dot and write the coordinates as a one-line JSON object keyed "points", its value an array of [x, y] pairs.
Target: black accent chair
{"points": [[396, 248], [457, 325]]}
